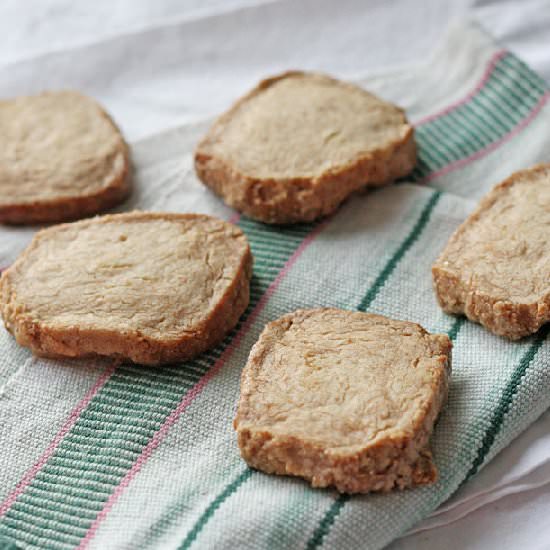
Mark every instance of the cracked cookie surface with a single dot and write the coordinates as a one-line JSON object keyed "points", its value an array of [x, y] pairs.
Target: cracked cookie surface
{"points": [[344, 399], [151, 288], [299, 144], [61, 158], [495, 268]]}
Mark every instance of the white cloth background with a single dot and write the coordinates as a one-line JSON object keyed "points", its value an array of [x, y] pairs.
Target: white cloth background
{"points": [[206, 53]]}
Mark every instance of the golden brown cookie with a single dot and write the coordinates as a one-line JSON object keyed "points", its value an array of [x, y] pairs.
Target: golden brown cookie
{"points": [[495, 269], [344, 399], [299, 144], [61, 158], [151, 288]]}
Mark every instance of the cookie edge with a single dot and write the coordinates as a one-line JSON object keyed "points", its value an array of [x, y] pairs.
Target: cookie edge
{"points": [[505, 318], [68, 208], [76, 343], [385, 462], [302, 199]]}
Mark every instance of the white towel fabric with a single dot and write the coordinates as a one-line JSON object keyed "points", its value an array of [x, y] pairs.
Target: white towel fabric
{"points": [[180, 70]]}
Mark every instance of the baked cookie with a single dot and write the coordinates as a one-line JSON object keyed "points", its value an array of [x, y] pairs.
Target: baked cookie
{"points": [[298, 144], [343, 399], [151, 288], [61, 158], [495, 269]]}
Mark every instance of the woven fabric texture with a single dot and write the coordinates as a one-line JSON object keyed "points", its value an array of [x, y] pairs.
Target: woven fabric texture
{"points": [[93, 456]]}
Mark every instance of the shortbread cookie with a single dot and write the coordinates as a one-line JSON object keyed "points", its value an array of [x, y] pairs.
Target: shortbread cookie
{"points": [[300, 143], [61, 158], [151, 288], [343, 399], [496, 267]]}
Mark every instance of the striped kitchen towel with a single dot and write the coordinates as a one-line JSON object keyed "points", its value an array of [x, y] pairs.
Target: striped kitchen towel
{"points": [[97, 456]]}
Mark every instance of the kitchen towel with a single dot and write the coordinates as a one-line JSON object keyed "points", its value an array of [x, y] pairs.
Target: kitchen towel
{"points": [[98, 456]]}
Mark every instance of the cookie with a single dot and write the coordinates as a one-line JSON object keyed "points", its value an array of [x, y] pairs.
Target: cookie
{"points": [[296, 146], [495, 269], [61, 158], [147, 287], [343, 399]]}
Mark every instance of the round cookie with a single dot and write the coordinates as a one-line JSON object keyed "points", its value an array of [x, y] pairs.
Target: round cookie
{"points": [[344, 399], [495, 268], [299, 144], [151, 288], [61, 158]]}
